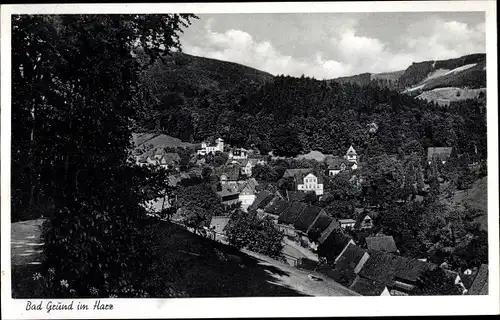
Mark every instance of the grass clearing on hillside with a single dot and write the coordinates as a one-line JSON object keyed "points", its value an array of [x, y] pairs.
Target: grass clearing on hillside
{"points": [[476, 197], [444, 96], [159, 140]]}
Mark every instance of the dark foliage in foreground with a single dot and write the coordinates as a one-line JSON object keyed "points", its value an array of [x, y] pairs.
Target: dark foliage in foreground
{"points": [[74, 79]]}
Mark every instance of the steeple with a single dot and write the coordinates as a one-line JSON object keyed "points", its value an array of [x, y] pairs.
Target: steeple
{"points": [[351, 155]]}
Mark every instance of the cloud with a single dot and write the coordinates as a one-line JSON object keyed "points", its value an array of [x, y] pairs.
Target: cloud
{"points": [[339, 48], [239, 46], [439, 39]]}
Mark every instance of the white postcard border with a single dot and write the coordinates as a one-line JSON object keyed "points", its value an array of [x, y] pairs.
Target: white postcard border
{"points": [[263, 307]]}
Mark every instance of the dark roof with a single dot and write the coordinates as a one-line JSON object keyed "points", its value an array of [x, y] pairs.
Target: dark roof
{"points": [[367, 287], [261, 200], [296, 172], [334, 225], [306, 218], [480, 284], [299, 174], [381, 243], [361, 218], [276, 206], [467, 279], [343, 276], [333, 245], [350, 257], [386, 267], [334, 163], [291, 212], [228, 194], [439, 152], [321, 223]]}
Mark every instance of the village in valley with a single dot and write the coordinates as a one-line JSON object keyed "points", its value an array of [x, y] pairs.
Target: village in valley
{"points": [[178, 156], [350, 249]]}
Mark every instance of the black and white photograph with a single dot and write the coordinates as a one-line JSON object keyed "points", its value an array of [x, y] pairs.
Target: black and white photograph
{"points": [[164, 154]]}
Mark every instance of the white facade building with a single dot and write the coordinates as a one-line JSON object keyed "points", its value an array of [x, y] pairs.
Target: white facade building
{"points": [[310, 183], [238, 154], [207, 148]]}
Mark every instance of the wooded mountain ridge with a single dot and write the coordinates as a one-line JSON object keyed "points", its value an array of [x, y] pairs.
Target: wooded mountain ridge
{"points": [[198, 99], [466, 71]]}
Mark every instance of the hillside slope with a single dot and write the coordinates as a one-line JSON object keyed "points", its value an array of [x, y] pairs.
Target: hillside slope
{"points": [[466, 74], [173, 88], [194, 75], [465, 71], [158, 140]]}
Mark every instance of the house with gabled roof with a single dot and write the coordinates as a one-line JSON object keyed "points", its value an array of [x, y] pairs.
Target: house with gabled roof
{"points": [[238, 153], [229, 174], [333, 245], [352, 257], [306, 219], [160, 157], [247, 194], [337, 164], [363, 221], [262, 199], [321, 229], [367, 287], [399, 274], [305, 180], [276, 207], [348, 263], [351, 155], [247, 165], [207, 147], [347, 223], [229, 196]]}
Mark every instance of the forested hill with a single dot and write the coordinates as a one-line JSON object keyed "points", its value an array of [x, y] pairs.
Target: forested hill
{"points": [[193, 76], [386, 79], [467, 71], [182, 80], [294, 115]]}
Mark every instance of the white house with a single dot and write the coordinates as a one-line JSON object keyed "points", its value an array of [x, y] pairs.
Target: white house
{"points": [[311, 183], [351, 155], [206, 148], [344, 223], [238, 154], [248, 164], [337, 165], [247, 195]]}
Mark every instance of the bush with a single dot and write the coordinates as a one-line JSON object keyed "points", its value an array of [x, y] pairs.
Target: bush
{"points": [[255, 234], [97, 243]]}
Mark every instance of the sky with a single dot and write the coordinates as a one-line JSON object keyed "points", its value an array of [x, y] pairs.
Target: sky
{"points": [[330, 45]]}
